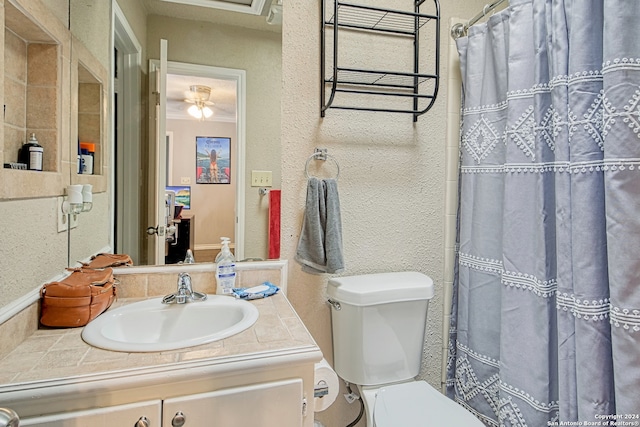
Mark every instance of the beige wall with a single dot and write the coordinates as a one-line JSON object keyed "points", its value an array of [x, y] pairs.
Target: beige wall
{"points": [[89, 22], [392, 181], [212, 204], [32, 250]]}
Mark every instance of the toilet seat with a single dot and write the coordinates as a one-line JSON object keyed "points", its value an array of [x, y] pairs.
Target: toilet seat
{"points": [[417, 404]]}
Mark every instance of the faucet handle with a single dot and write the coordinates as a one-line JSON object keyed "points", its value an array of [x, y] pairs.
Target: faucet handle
{"points": [[185, 292]]}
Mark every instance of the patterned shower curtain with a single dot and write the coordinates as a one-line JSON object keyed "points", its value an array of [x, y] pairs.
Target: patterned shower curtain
{"points": [[546, 310]]}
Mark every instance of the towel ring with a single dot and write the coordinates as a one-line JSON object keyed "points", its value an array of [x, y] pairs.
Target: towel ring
{"points": [[321, 154]]}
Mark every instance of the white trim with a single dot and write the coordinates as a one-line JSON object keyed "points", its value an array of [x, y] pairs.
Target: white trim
{"points": [[256, 7], [19, 304], [214, 118], [169, 149], [54, 394], [129, 224], [211, 246]]}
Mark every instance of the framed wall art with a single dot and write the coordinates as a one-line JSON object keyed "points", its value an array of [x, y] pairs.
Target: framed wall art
{"points": [[213, 160]]}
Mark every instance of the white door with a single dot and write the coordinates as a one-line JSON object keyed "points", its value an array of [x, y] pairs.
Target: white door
{"points": [[121, 415], [158, 155], [274, 404]]}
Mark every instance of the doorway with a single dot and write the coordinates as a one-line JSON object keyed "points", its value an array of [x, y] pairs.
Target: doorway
{"points": [[202, 136]]}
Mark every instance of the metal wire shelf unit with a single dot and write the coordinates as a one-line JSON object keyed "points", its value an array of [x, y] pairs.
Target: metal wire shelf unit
{"points": [[407, 26]]}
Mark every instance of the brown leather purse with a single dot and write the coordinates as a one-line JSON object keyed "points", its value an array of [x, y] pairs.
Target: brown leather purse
{"points": [[78, 298], [109, 260]]}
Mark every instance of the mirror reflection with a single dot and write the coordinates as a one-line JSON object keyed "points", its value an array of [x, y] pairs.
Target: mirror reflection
{"points": [[36, 232], [222, 39]]}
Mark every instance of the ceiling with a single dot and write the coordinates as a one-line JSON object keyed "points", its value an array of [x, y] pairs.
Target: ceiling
{"points": [[223, 96], [227, 12], [242, 13]]}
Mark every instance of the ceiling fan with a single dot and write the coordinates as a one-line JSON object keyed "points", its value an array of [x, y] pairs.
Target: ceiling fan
{"points": [[199, 95]]}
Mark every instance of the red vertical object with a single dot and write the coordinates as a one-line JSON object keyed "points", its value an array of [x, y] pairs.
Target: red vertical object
{"points": [[274, 224]]}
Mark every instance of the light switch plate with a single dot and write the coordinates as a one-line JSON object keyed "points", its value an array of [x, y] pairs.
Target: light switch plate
{"points": [[261, 178], [185, 180]]}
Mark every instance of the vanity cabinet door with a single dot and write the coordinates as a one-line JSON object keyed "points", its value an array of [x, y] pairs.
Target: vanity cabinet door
{"points": [[120, 416], [273, 404]]}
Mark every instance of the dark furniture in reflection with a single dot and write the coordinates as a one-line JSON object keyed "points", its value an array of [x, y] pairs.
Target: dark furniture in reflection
{"points": [[186, 233]]}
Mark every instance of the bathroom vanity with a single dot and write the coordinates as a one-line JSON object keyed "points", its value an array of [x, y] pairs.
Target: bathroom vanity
{"points": [[263, 376]]}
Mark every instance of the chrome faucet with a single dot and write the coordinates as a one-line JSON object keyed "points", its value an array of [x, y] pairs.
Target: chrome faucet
{"points": [[185, 292]]}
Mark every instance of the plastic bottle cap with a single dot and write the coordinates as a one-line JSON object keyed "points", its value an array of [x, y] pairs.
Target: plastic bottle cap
{"points": [[89, 146]]}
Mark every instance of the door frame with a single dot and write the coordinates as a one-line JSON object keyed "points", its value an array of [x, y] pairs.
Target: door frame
{"points": [[240, 77], [125, 219]]}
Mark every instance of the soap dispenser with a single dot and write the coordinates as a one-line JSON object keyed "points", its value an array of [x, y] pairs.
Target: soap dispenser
{"points": [[225, 269]]}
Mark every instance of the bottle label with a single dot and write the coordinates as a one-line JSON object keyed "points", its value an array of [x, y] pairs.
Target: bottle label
{"points": [[35, 160], [88, 164]]}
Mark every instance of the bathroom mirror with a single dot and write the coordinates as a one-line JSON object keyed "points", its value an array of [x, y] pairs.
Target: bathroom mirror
{"points": [[221, 39], [37, 233]]}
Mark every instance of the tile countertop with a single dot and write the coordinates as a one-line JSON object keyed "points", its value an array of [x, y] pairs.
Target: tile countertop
{"points": [[55, 356]]}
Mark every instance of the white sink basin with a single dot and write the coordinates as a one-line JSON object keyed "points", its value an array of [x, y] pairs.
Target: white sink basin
{"points": [[150, 325]]}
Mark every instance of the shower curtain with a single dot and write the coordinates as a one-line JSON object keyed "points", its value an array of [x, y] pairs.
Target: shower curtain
{"points": [[546, 309]]}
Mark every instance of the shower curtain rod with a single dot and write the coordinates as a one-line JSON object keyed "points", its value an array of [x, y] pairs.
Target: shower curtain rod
{"points": [[459, 30]]}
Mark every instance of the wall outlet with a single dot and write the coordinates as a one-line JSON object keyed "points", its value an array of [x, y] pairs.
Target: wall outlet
{"points": [[62, 218], [185, 180], [261, 179], [74, 221]]}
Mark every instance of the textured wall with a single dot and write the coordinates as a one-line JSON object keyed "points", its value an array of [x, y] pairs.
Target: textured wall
{"points": [[92, 233], [89, 23], [392, 181], [32, 250]]}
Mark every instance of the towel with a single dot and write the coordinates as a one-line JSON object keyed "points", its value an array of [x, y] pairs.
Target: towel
{"points": [[320, 245]]}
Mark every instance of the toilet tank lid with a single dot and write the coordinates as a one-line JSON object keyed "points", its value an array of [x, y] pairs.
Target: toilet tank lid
{"points": [[381, 288]]}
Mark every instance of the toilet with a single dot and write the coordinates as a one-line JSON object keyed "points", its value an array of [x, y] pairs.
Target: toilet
{"points": [[378, 323]]}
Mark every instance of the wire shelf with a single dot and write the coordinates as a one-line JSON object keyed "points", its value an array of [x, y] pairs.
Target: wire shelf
{"points": [[377, 19], [380, 78], [419, 29]]}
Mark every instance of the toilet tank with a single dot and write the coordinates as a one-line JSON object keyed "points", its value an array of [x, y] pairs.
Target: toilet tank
{"points": [[378, 329]]}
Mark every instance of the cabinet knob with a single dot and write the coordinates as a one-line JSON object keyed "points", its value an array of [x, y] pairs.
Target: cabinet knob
{"points": [[178, 419], [8, 418], [142, 422]]}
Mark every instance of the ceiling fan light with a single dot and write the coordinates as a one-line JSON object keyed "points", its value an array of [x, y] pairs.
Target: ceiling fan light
{"points": [[207, 112], [195, 112]]}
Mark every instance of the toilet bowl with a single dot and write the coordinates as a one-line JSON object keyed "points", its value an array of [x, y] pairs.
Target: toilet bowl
{"points": [[413, 404], [378, 323]]}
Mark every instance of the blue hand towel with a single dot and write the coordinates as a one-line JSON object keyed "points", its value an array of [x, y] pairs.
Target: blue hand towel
{"points": [[320, 245]]}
